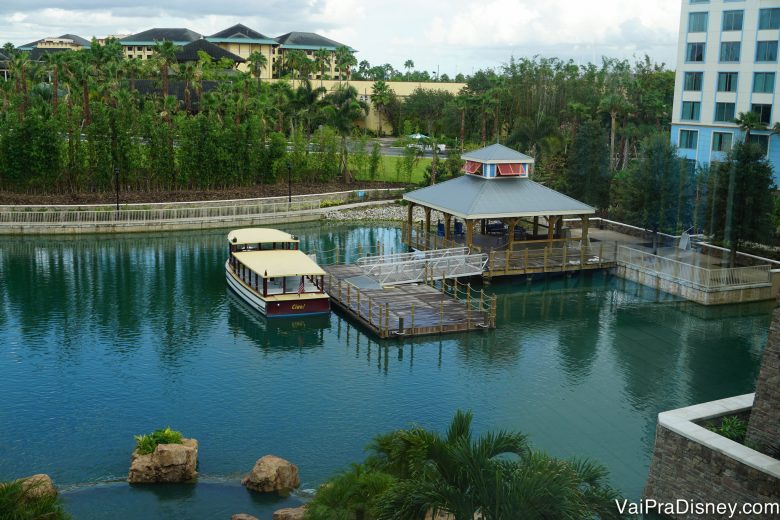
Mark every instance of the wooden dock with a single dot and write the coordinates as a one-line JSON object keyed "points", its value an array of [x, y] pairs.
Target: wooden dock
{"points": [[436, 307]]}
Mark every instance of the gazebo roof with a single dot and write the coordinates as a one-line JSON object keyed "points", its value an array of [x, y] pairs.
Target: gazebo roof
{"points": [[496, 153], [472, 197]]}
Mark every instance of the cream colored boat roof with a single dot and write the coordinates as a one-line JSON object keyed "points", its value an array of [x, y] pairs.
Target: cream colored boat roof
{"points": [[259, 236], [279, 262]]}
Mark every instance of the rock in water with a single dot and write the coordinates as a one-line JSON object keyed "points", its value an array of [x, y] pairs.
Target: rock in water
{"points": [[290, 513], [167, 463], [39, 485], [243, 516], [272, 474]]}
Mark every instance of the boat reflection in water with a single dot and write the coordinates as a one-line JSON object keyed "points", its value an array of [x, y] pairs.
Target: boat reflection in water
{"points": [[276, 334]]}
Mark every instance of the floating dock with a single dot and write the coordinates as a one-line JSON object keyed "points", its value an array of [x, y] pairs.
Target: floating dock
{"points": [[431, 307]]}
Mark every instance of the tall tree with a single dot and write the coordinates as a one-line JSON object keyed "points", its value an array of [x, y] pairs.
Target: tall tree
{"points": [[165, 57], [380, 98], [322, 59], [345, 60], [342, 110], [257, 63], [587, 175]]}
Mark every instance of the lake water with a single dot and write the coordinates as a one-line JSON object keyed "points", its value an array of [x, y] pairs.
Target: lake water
{"points": [[105, 337]]}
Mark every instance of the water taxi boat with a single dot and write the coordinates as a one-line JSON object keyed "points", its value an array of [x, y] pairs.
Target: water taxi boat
{"points": [[268, 271]]}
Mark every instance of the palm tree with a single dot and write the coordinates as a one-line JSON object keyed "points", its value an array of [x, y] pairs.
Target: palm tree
{"points": [[81, 72], [295, 61], [748, 121], [342, 110], [408, 65], [380, 98], [56, 61], [345, 60], [18, 65], [305, 103], [165, 56], [257, 63], [322, 59], [613, 104], [190, 75]]}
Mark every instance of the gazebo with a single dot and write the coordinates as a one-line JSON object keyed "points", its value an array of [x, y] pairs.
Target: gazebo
{"points": [[496, 186]]}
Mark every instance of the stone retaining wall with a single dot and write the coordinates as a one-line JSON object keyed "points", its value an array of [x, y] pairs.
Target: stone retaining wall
{"points": [[689, 292], [764, 426], [692, 463]]}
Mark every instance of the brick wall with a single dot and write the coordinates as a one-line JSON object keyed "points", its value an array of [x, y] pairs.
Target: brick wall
{"points": [[764, 425]]}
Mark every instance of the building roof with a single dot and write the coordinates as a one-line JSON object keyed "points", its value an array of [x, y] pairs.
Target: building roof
{"points": [[308, 40], [3, 57], [177, 35], [472, 197], [189, 52], [240, 33], [497, 153], [259, 236], [279, 263], [38, 53], [78, 40]]}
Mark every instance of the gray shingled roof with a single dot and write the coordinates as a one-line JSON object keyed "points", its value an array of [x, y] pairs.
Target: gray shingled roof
{"points": [[189, 52], [240, 31], [76, 38], [307, 39], [176, 34], [38, 53], [496, 153], [473, 197]]}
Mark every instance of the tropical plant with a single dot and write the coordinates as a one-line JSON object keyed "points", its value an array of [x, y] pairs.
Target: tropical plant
{"points": [[380, 98], [732, 427], [342, 110], [147, 443], [165, 58], [257, 63], [322, 58], [20, 501], [345, 60]]}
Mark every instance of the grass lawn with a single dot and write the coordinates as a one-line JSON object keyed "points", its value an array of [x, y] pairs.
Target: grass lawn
{"points": [[387, 172]]}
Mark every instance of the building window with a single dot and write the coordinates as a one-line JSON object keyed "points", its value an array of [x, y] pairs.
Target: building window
{"points": [[766, 51], [695, 52], [732, 20], [729, 51], [721, 141], [697, 22], [761, 140], [689, 139], [692, 81], [724, 112], [699, 1], [727, 81], [764, 112], [769, 18], [764, 82], [691, 110]]}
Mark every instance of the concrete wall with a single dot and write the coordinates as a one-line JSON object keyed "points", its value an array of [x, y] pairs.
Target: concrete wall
{"points": [[764, 426], [692, 463]]}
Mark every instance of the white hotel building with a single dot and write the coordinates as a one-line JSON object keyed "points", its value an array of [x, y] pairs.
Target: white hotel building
{"points": [[727, 63]]}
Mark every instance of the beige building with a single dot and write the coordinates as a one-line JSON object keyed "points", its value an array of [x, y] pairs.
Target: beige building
{"points": [[141, 45], [309, 43], [69, 42], [243, 41]]}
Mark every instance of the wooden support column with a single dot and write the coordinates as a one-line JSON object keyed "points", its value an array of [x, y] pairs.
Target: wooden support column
{"points": [[512, 222], [409, 222], [550, 227], [447, 221], [427, 220], [585, 224], [470, 233], [559, 226], [536, 227]]}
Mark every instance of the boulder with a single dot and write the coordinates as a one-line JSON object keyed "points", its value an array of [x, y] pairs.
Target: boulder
{"points": [[39, 485], [167, 463], [243, 516], [272, 474], [290, 513]]}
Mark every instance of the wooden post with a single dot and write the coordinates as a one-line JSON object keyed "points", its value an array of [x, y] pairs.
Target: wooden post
{"points": [[387, 318], [447, 220], [412, 318], [565, 252], [358, 302], [348, 296], [470, 233], [525, 266], [441, 316], [559, 226], [427, 220], [545, 258], [370, 321], [506, 261], [550, 228], [585, 224], [512, 224], [409, 223], [536, 226], [601, 253]]}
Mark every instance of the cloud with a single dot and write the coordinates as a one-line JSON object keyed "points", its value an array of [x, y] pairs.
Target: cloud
{"points": [[452, 35]]}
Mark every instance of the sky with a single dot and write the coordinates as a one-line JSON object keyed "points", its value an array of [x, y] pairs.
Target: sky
{"points": [[448, 36]]}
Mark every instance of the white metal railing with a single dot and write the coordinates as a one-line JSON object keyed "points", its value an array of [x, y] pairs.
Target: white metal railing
{"points": [[423, 265], [140, 216], [709, 279]]}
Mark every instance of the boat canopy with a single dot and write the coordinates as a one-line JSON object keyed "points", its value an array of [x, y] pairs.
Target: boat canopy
{"points": [[279, 263], [259, 236]]}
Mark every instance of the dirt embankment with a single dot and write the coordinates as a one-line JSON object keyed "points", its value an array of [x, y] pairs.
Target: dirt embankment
{"points": [[249, 192]]}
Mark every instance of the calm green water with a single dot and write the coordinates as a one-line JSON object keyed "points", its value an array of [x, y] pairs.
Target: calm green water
{"points": [[102, 338]]}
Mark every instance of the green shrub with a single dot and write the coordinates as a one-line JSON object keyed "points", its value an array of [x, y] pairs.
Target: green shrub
{"points": [[18, 504], [733, 428], [146, 444], [329, 203]]}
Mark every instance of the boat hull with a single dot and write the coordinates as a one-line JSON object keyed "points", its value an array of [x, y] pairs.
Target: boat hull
{"points": [[278, 308]]}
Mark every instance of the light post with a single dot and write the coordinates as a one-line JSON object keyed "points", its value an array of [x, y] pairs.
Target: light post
{"points": [[289, 182]]}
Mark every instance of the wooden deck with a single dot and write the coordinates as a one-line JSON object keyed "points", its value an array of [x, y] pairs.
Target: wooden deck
{"points": [[411, 309]]}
